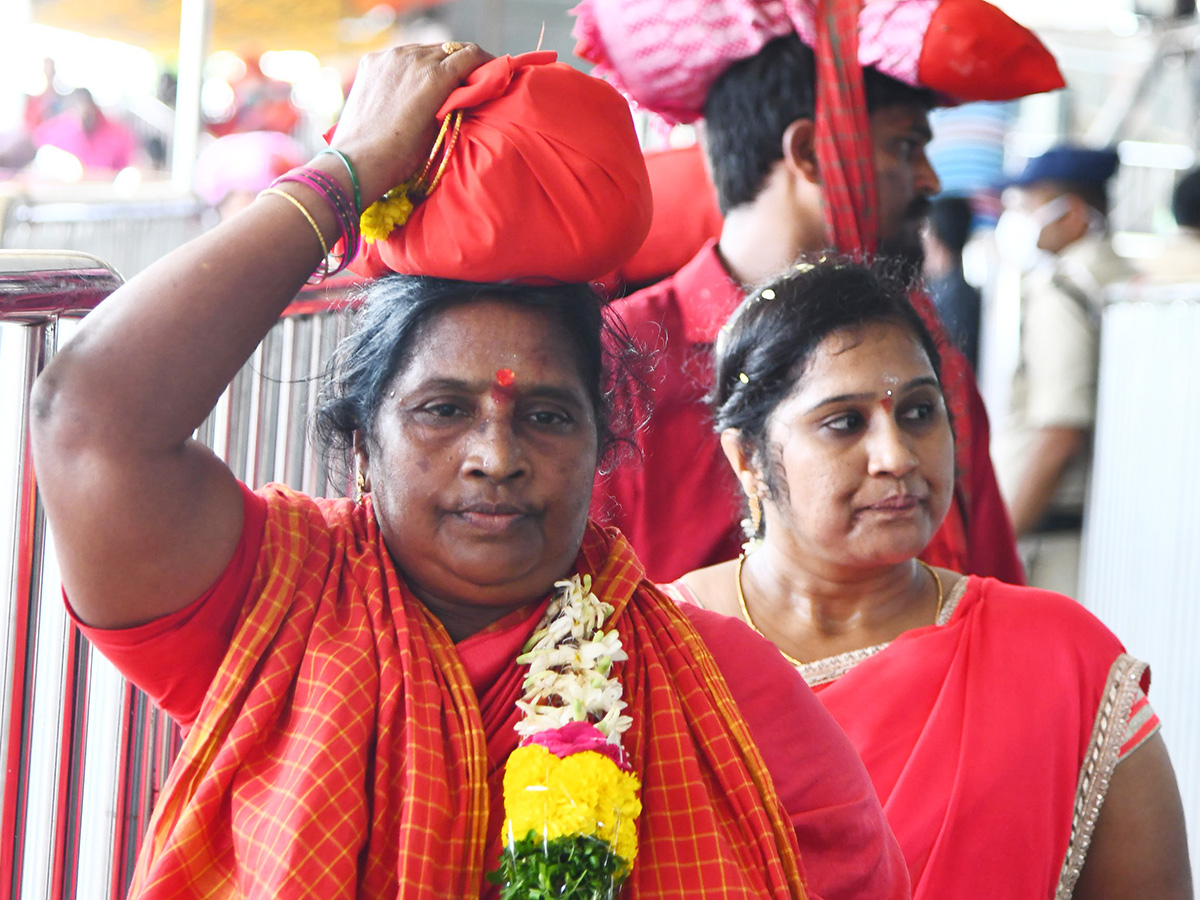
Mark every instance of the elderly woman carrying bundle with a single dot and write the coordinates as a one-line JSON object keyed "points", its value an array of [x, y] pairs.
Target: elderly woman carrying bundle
{"points": [[456, 675], [1006, 731]]}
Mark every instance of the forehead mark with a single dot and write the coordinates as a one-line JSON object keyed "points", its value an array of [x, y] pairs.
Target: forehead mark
{"points": [[502, 387], [887, 402]]}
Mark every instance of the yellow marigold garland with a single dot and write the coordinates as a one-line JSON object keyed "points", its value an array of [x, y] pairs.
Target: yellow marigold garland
{"points": [[584, 793], [392, 210]]}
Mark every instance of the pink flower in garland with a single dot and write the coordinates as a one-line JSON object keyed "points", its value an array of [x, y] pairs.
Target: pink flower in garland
{"points": [[576, 737]]}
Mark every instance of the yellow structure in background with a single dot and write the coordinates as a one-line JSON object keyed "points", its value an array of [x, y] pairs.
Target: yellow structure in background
{"points": [[320, 26]]}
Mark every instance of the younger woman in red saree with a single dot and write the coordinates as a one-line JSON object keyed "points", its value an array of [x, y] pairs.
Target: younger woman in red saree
{"points": [[1005, 729]]}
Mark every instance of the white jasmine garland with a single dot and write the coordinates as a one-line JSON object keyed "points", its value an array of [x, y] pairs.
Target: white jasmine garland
{"points": [[569, 659]]}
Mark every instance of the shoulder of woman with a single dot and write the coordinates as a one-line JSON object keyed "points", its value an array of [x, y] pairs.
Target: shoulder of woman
{"points": [[713, 588], [1041, 616], [287, 501], [746, 658], [298, 523]]}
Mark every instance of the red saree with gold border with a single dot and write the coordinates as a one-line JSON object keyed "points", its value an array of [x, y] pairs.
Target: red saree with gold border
{"points": [[991, 738]]}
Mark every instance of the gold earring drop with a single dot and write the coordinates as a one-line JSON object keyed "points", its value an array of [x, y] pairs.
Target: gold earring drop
{"points": [[752, 527], [360, 487], [755, 514]]}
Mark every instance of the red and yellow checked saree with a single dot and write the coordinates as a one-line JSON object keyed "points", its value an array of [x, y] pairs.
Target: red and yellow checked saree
{"points": [[341, 750]]}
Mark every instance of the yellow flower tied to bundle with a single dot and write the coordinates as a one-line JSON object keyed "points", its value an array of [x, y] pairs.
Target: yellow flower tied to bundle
{"points": [[388, 213], [392, 210], [585, 793]]}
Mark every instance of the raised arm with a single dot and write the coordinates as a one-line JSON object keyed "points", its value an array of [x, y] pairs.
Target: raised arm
{"points": [[144, 518]]}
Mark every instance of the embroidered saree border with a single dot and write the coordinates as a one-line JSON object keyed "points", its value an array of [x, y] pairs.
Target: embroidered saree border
{"points": [[1108, 734]]}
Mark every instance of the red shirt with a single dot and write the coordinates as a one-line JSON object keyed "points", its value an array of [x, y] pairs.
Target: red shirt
{"points": [[680, 504]]}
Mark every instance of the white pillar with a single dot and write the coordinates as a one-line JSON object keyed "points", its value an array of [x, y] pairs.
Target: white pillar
{"points": [[15, 16], [195, 28]]}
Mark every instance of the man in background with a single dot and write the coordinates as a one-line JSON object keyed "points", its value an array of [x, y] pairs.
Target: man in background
{"points": [[1055, 228], [957, 301], [755, 83], [1179, 261], [99, 143]]}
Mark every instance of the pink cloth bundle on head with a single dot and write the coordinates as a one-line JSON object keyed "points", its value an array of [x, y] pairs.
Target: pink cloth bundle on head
{"points": [[665, 54], [545, 182]]}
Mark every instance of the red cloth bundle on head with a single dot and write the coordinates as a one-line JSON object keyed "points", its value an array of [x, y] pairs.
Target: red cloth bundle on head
{"points": [[545, 182], [685, 216]]}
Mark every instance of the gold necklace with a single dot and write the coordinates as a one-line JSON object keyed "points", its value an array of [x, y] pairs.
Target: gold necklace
{"points": [[795, 662]]}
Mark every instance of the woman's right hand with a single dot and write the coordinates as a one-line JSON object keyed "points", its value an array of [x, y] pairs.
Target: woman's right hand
{"points": [[388, 124]]}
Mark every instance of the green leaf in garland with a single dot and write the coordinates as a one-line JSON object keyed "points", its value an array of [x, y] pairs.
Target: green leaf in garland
{"points": [[575, 867]]}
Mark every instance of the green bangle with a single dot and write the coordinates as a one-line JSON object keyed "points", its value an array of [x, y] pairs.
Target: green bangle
{"points": [[353, 177]]}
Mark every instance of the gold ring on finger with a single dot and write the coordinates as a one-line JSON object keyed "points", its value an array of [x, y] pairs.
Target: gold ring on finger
{"points": [[451, 47]]}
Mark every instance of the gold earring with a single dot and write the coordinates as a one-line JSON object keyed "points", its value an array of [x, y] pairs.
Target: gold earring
{"points": [[360, 487], [751, 526]]}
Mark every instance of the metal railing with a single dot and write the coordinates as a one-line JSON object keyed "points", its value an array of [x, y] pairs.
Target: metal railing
{"points": [[85, 753], [127, 232]]}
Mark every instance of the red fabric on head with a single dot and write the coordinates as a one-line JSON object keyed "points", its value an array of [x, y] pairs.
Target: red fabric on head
{"points": [[973, 51], [845, 153], [545, 183], [685, 215]]}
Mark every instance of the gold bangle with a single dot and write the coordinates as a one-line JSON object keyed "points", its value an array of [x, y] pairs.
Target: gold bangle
{"points": [[450, 142], [437, 145], [304, 212]]}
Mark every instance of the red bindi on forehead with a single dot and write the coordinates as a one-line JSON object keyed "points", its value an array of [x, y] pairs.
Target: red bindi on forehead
{"points": [[887, 402], [502, 388]]}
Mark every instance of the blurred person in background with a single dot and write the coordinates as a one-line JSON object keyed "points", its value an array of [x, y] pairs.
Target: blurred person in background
{"points": [[1179, 260], [957, 301], [156, 144], [1055, 229], [260, 103], [100, 143], [756, 84], [231, 170], [49, 102]]}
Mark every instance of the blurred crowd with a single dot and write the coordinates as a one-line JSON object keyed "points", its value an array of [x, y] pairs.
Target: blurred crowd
{"points": [[66, 136]]}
